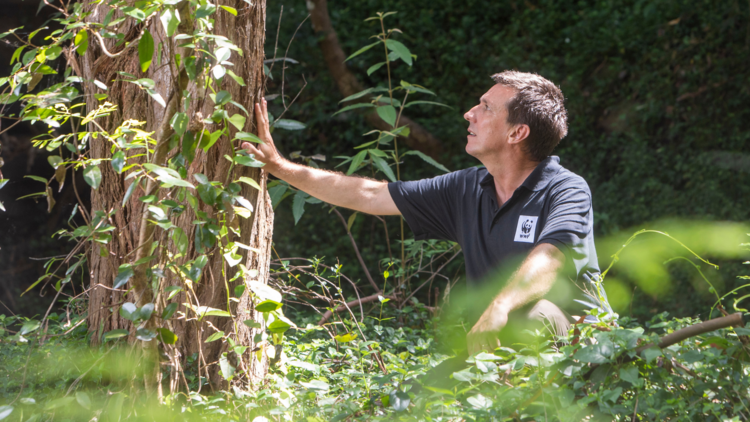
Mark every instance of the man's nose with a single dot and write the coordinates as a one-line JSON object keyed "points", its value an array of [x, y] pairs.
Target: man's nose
{"points": [[469, 114]]}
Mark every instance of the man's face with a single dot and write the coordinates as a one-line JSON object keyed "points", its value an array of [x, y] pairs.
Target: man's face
{"points": [[488, 122]]}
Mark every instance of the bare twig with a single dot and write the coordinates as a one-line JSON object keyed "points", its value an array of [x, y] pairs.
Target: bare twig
{"points": [[356, 250], [342, 308], [286, 53]]}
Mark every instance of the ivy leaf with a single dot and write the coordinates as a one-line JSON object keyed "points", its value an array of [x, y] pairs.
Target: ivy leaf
{"points": [[267, 306], [346, 338], [81, 42], [169, 310], [146, 50], [166, 336], [249, 137], [227, 370], [180, 240], [237, 121], [93, 176], [179, 123], [170, 19]]}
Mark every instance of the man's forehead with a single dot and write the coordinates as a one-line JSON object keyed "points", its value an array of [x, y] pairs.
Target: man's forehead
{"points": [[498, 94]]}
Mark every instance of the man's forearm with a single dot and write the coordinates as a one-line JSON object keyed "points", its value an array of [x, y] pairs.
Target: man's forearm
{"points": [[533, 280], [357, 193]]}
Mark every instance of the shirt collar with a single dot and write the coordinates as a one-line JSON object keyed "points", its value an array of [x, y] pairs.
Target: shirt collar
{"points": [[539, 178]]}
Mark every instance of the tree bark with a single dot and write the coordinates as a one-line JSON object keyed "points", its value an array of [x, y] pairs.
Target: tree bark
{"points": [[419, 138], [247, 31]]}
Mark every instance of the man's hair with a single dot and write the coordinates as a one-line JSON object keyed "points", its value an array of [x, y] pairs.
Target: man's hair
{"points": [[538, 103]]}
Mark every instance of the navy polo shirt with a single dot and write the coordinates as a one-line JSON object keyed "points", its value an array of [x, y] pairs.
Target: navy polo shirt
{"points": [[553, 205]]}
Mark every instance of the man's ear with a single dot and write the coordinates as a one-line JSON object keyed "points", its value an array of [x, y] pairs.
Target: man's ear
{"points": [[518, 134]]}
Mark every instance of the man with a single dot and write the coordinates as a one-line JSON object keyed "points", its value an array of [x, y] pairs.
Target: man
{"points": [[522, 203]]}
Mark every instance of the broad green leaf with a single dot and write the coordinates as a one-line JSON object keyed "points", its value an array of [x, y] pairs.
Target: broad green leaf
{"points": [[118, 161], [180, 240], [170, 19], [222, 97], [362, 50], [400, 49], [596, 353], [298, 205], [131, 188], [218, 71], [204, 311], [29, 327], [428, 159], [166, 336], [205, 11], [134, 12], [238, 79], [129, 311], [250, 182], [288, 124], [170, 180], [252, 323], [264, 291], [231, 10], [144, 334], [237, 121], [54, 161], [356, 161], [3, 182], [267, 306], [123, 275], [188, 146], [93, 176], [346, 338], [279, 326], [315, 385], [157, 97], [651, 353], [248, 161], [354, 106], [215, 336], [169, 310], [383, 166], [146, 50], [83, 399], [227, 370], [388, 114], [630, 375], [249, 137], [350, 221], [114, 334], [81, 42], [179, 123], [360, 94]]}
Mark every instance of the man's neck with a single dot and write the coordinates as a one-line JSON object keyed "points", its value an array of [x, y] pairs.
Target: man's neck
{"points": [[508, 175]]}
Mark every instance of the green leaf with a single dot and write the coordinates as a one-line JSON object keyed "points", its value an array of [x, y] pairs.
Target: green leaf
{"points": [[179, 123], [248, 161], [411, 103], [144, 334], [316, 385], [288, 124], [279, 326], [267, 306], [238, 79], [81, 42], [188, 146], [375, 67], [170, 19], [388, 114], [29, 327], [227, 370], [362, 50], [596, 353], [264, 291], [630, 375], [146, 50], [93, 176], [383, 166], [231, 10], [360, 94], [354, 106], [346, 338], [114, 334], [237, 121], [83, 399], [249, 137], [651, 353], [250, 182], [169, 310], [180, 240], [170, 180], [135, 13], [298, 205], [223, 97], [118, 161], [54, 161], [252, 323], [204, 311], [205, 11], [356, 161], [166, 336], [428, 159], [124, 274], [215, 336], [129, 192], [400, 49]]}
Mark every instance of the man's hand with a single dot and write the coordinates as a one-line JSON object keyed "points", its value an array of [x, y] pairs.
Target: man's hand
{"points": [[484, 334], [265, 152]]}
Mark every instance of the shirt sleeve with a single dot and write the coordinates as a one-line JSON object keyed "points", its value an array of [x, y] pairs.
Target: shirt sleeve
{"points": [[569, 226], [430, 206]]}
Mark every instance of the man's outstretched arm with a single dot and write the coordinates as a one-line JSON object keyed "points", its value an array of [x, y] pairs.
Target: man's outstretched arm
{"points": [[360, 194], [532, 281]]}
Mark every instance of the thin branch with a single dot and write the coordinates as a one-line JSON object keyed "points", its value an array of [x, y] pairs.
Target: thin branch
{"points": [[356, 250], [366, 299]]}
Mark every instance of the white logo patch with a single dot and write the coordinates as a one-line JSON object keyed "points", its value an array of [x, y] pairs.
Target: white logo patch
{"points": [[526, 229]]}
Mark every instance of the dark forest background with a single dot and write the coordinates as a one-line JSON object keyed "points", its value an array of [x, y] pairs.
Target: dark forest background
{"points": [[656, 91]]}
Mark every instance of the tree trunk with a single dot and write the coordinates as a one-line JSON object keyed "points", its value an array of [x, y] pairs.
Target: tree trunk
{"points": [[247, 31]]}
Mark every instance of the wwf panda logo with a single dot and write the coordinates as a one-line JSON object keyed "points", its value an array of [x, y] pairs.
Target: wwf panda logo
{"points": [[526, 229]]}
